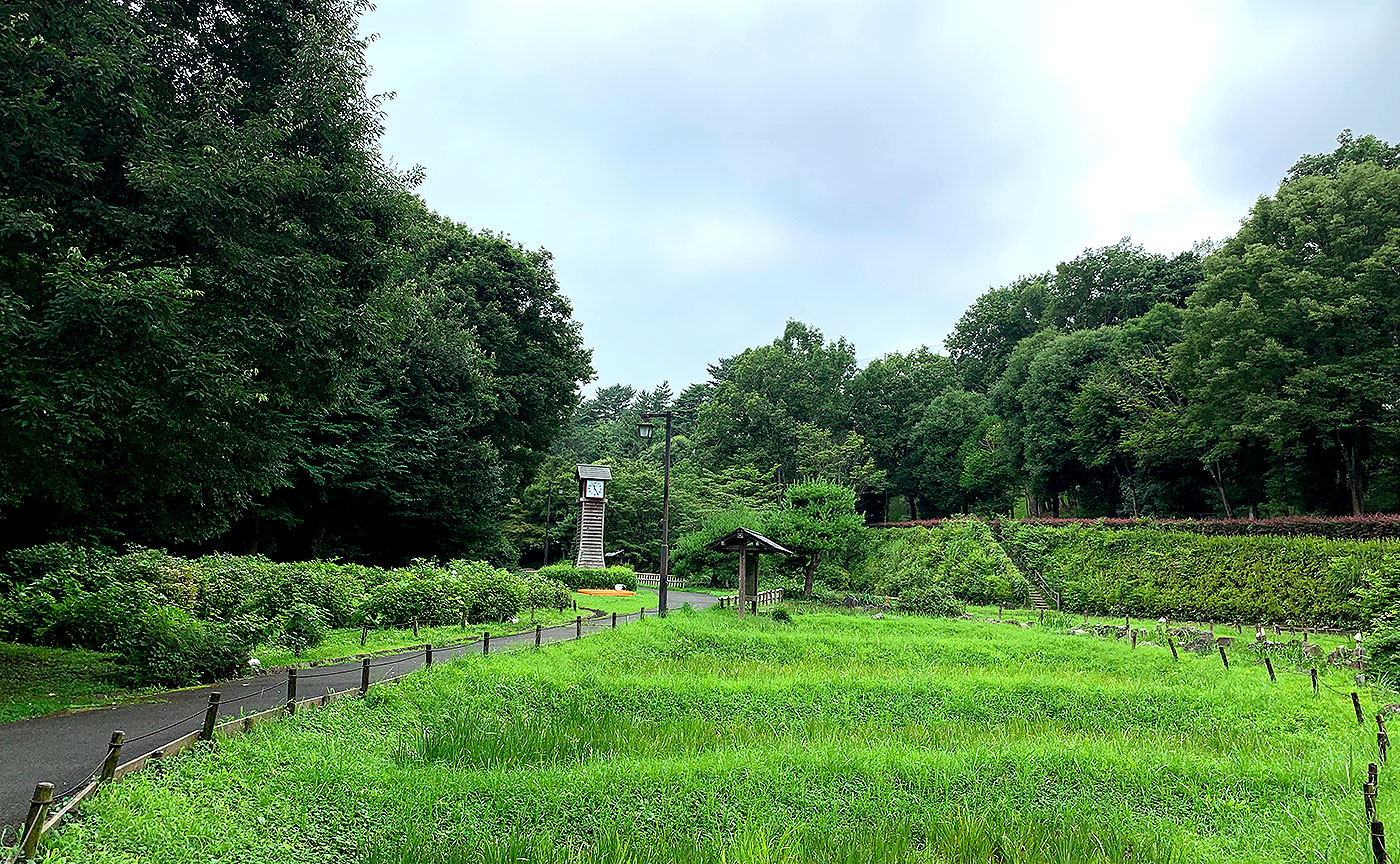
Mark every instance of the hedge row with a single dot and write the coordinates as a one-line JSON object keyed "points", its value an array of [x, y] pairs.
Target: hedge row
{"points": [[176, 620], [1376, 527], [1149, 572]]}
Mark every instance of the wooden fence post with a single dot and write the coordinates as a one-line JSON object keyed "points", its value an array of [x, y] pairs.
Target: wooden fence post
{"points": [[614, 621], [292, 690], [537, 635], [364, 676], [211, 715], [1378, 841], [1314, 679], [1172, 645], [114, 753], [427, 655], [1382, 738], [364, 633], [1134, 633], [642, 613], [1223, 658], [1368, 795], [34, 823], [1268, 664], [485, 643], [415, 628], [1356, 703], [575, 604], [578, 626]]}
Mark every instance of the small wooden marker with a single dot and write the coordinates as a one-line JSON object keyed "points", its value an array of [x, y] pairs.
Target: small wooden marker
{"points": [[578, 627], [1378, 841], [364, 633], [34, 822], [211, 714], [1223, 658], [1314, 680], [614, 621], [1172, 645], [114, 753], [1356, 703], [485, 643], [427, 655], [415, 628], [1134, 633], [292, 690], [1268, 664], [364, 676], [537, 635]]}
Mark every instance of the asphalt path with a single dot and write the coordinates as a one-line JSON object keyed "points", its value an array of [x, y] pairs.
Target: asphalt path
{"points": [[67, 749]]}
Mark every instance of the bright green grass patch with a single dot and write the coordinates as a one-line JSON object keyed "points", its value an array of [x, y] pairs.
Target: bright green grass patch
{"points": [[837, 737], [645, 597], [36, 681]]}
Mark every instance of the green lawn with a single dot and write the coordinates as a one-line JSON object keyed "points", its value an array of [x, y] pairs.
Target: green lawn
{"points": [[35, 681], [837, 737]]}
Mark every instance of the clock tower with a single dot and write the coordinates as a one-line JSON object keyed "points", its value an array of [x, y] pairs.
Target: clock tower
{"points": [[592, 498]]}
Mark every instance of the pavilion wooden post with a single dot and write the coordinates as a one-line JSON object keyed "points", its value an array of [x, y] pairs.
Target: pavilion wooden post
{"points": [[743, 578]]}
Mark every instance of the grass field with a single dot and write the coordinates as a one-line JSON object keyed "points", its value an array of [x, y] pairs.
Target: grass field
{"points": [[833, 738]]}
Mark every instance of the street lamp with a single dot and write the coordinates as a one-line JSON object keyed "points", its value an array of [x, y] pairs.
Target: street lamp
{"points": [[644, 431]]}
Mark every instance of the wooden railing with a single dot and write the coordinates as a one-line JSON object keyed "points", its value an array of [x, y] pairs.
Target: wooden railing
{"points": [[773, 595], [653, 580]]}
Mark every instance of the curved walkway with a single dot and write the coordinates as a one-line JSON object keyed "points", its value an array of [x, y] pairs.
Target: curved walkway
{"points": [[67, 749]]}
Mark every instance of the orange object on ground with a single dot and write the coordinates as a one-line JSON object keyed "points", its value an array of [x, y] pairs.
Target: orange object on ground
{"points": [[606, 592]]}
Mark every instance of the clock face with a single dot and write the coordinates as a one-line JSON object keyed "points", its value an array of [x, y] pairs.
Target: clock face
{"points": [[594, 489]]}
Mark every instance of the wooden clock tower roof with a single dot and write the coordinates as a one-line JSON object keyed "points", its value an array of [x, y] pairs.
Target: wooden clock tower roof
{"points": [[593, 472]]}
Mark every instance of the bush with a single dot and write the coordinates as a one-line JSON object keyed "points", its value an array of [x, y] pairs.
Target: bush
{"points": [[488, 593], [541, 592], [590, 577], [931, 599], [336, 590], [414, 596], [300, 627], [168, 647], [961, 557], [100, 619], [1369, 527], [781, 615]]}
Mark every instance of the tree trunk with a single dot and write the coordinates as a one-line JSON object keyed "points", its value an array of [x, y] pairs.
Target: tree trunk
{"points": [[1351, 466], [913, 508], [810, 575], [1218, 477]]}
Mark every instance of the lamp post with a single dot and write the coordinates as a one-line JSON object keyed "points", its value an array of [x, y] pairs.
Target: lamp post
{"points": [[644, 431]]}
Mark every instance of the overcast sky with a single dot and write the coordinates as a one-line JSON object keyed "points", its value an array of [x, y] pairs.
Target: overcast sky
{"points": [[705, 171]]}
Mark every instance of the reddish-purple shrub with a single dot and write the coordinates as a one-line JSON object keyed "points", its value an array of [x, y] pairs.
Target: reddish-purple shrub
{"points": [[1375, 527]]}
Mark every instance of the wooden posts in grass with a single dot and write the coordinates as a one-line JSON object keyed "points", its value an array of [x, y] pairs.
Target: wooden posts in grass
{"points": [[1134, 634], [578, 626], [292, 690], [1382, 738], [427, 655], [537, 635], [485, 643], [1172, 645], [364, 633], [614, 621], [1268, 664], [1223, 659], [575, 604], [641, 613], [415, 628], [114, 753], [1356, 703], [364, 676], [34, 822], [1313, 671], [211, 716], [1378, 841]]}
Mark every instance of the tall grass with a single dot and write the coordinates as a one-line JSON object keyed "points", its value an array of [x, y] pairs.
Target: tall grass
{"points": [[701, 738]]}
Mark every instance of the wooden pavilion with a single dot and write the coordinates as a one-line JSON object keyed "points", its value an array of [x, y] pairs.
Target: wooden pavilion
{"points": [[747, 543]]}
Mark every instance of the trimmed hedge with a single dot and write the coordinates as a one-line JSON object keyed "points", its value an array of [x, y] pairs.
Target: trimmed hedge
{"points": [[589, 577], [1375, 527], [1151, 573], [958, 559]]}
